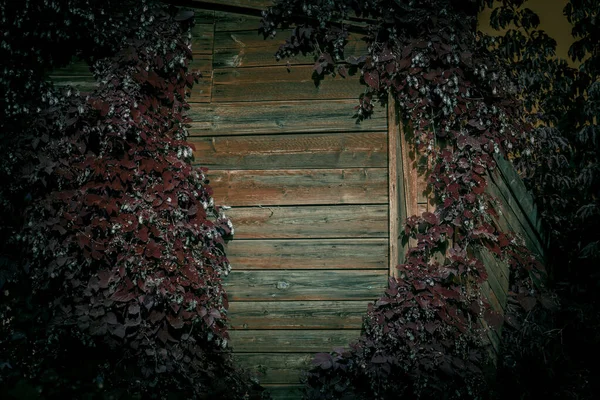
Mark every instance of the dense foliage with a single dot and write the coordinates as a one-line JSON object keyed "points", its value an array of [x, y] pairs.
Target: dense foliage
{"points": [[563, 173], [112, 247], [460, 101]]}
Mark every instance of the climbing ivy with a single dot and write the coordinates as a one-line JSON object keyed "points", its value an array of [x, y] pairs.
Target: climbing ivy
{"points": [[424, 338]]}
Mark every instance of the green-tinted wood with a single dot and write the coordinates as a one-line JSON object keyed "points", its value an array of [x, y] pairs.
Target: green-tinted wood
{"points": [[274, 368], [280, 83], [351, 221], [230, 22], [280, 117], [291, 341], [248, 4], [297, 314], [251, 49], [512, 212], [273, 285], [522, 195], [308, 254], [331, 150], [81, 83], [300, 187], [488, 293], [497, 283], [78, 68], [203, 34], [285, 392]]}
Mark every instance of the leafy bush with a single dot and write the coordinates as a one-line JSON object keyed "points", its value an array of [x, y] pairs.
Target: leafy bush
{"points": [[119, 292]]}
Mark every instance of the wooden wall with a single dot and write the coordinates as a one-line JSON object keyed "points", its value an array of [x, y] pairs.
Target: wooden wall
{"points": [[317, 200], [309, 195]]}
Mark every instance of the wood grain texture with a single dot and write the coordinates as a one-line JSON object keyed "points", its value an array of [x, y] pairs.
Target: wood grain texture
{"points": [[274, 368], [285, 392], [512, 213], [308, 254], [291, 341], [84, 83], [393, 194], [291, 285], [202, 90], [203, 33], [230, 22], [279, 83], [353, 221], [300, 187], [331, 150], [250, 49], [297, 315], [280, 117]]}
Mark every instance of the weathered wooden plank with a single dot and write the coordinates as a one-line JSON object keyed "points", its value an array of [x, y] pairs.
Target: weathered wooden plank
{"points": [[203, 37], [77, 68], [496, 281], [230, 22], [293, 285], [290, 341], [202, 90], [308, 254], [522, 195], [297, 314], [81, 83], [327, 150], [248, 4], [299, 187], [275, 368], [353, 221], [280, 117], [285, 392], [280, 83], [513, 214], [394, 155], [251, 49]]}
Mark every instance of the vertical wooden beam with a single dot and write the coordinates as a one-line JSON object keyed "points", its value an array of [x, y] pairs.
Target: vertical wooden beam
{"points": [[393, 185]]}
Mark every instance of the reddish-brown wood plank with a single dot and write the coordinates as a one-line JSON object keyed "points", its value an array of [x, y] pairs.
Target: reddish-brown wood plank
{"points": [[331, 150], [299, 187], [308, 254], [279, 83], [280, 117]]}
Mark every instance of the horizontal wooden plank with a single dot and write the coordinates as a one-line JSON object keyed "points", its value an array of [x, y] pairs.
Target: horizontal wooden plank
{"points": [[203, 35], [251, 49], [352, 221], [308, 254], [82, 83], [227, 21], [294, 285], [280, 117], [280, 83], [202, 90], [291, 341], [248, 4], [297, 314], [77, 68], [300, 187], [284, 392], [274, 368], [326, 150]]}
